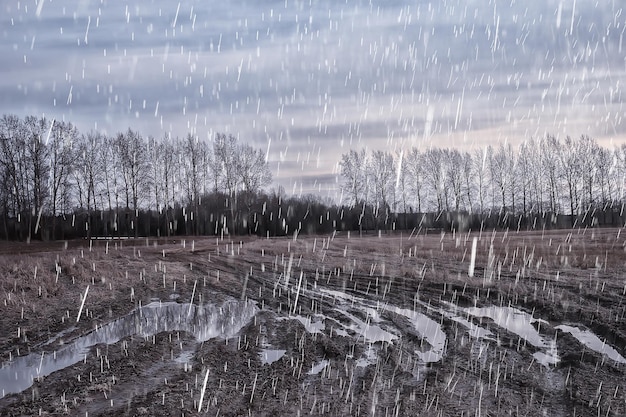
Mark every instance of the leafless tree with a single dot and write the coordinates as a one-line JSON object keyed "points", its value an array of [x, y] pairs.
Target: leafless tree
{"points": [[480, 168], [253, 168], [587, 149], [454, 176], [502, 170], [63, 138], [353, 170], [570, 173], [133, 159], [192, 157], [467, 170], [383, 175], [225, 170], [550, 163], [606, 170], [434, 167], [36, 133], [14, 176], [88, 173], [414, 173]]}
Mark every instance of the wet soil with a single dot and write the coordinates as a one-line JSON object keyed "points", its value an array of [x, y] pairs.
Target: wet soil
{"points": [[340, 325]]}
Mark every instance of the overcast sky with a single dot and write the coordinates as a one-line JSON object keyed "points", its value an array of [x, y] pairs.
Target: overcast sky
{"points": [[308, 80]]}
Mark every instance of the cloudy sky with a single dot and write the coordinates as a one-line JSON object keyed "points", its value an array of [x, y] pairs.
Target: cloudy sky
{"points": [[308, 80]]}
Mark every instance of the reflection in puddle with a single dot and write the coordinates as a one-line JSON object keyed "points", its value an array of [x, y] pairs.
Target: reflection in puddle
{"points": [[204, 322], [474, 331], [319, 367], [429, 330], [269, 356], [369, 332], [593, 342], [370, 356], [310, 325], [521, 324]]}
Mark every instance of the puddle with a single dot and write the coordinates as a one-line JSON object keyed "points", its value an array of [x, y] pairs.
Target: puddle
{"points": [[185, 357], [474, 330], [592, 341], [269, 356], [341, 332], [307, 322], [58, 338], [318, 367], [371, 333], [429, 330], [370, 357], [521, 324], [204, 322]]}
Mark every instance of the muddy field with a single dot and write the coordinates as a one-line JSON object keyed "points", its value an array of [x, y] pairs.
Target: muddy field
{"points": [[334, 325]]}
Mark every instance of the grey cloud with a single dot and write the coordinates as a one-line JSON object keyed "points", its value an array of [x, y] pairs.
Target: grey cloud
{"points": [[321, 77]]}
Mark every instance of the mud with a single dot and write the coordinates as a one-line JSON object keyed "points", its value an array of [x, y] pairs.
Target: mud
{"points": [[333, 325]]}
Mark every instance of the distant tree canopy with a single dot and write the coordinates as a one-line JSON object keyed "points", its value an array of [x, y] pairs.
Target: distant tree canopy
{"points": [[59, 183], [572, 177]]}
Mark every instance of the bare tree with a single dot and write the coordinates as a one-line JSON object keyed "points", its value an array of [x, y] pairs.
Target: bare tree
{"points": [[480, 168], [569, 169], [36, 131], [414, 174], [402, 186], [383, 174], [353, 170], [550, 163], [499, 166], [434, 167], [225, 153], [193, 158], [88, 174], [606, 170], [133, 159], [163, 155], [253, 168], [587, 150], [467, 170], [63, 138], [454, 176], [14, 176]]}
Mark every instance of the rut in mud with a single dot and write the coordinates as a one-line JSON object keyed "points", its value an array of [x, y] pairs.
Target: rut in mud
{"points": [[335, 325]]}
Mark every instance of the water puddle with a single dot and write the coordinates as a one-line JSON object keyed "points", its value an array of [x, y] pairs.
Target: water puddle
{"points": [[185, 357], [204, 322], [369, 357], [592, 341], [474, 330], [308, 323], [318, 367], [521, 324], [371, 333], [428, 329], [269, 356], [341, 332]]}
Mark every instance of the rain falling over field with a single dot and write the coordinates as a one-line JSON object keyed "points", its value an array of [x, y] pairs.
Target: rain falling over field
{"points": [[289, 208], [307, 80], [336, 325]]}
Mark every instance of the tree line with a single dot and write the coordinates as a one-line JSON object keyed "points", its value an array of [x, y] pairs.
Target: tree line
{"points": [[59, 183], [548, 175]]}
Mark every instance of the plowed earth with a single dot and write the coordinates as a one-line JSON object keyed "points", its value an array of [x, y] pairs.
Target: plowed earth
{"points": [[334, 325]]}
